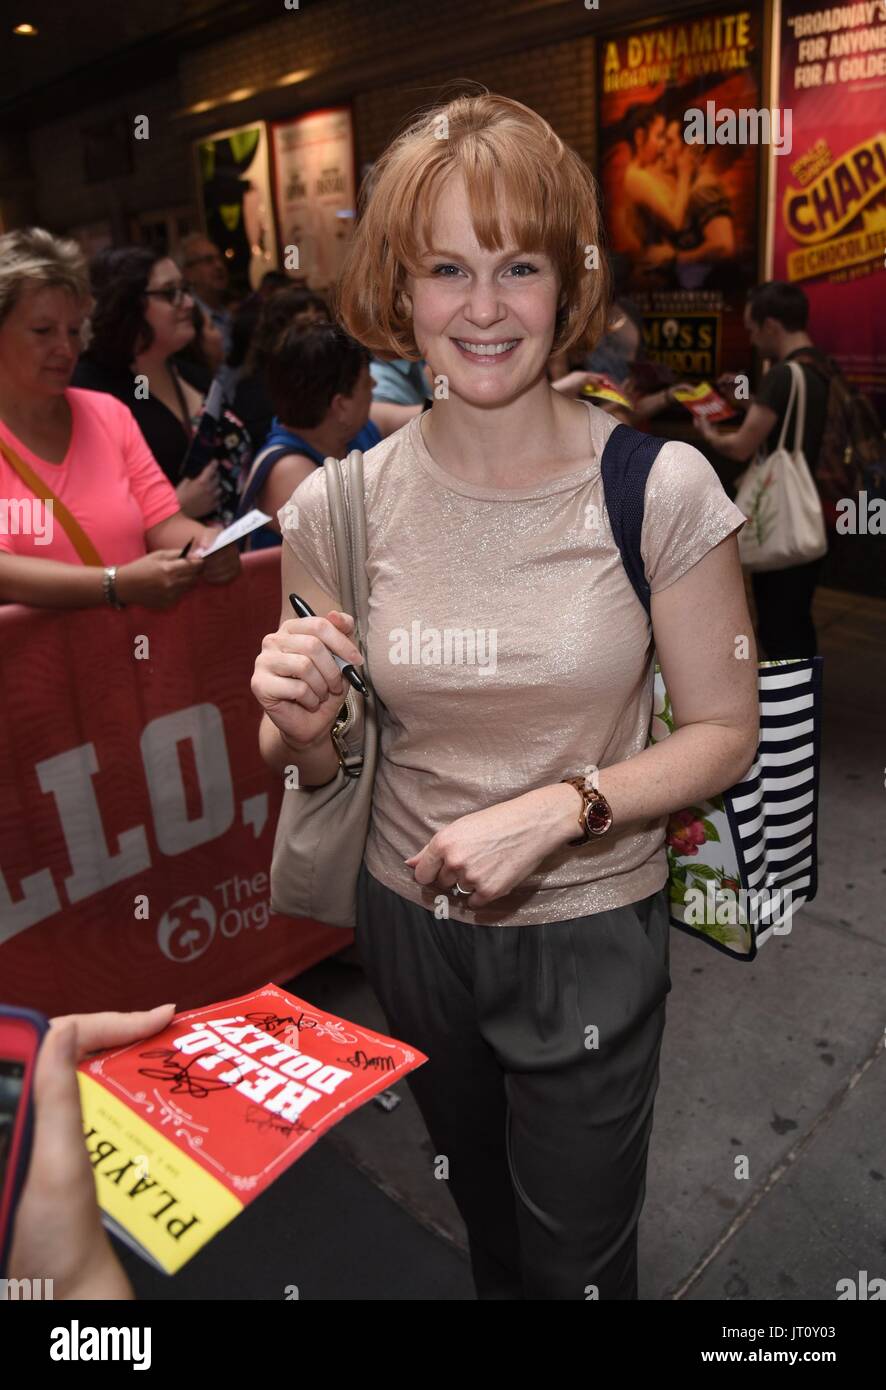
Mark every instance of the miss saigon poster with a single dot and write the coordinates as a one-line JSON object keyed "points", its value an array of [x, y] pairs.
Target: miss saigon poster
{"points": [[830, 212], [682, 215]]}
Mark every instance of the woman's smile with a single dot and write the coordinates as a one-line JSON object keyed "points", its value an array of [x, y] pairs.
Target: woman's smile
{"points": [[487, 354]]}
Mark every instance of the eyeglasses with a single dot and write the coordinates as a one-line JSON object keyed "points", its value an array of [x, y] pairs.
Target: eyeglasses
{"points": [[173, 294]]}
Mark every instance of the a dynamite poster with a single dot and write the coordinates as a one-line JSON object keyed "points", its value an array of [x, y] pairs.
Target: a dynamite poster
{"points": [[681, 214], [830, 214]]}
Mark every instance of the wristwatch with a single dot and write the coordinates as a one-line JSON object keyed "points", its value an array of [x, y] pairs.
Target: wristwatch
{"points": [[595, 816]]}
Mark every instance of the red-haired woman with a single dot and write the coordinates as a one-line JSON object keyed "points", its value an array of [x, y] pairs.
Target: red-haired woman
{"points": [[532, 970]]}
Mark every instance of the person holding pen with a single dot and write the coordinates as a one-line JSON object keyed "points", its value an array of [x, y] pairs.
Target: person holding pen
{"points": [[87, 516], [512, 902]]}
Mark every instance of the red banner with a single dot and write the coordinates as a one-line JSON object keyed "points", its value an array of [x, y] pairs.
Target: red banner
{"points": [[137, 818], [830, 223]]}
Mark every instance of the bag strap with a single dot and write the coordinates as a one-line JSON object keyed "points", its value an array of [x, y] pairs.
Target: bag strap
{"points": [[264, 463], [348, 514], [792, 396], [71, 526], [824, 366], [800, 419], [340, 514], [627, 459]]}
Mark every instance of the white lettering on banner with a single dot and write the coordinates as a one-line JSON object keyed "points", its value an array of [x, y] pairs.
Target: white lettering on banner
{"points": [[40, 901], [201, 725], [69, 778]]}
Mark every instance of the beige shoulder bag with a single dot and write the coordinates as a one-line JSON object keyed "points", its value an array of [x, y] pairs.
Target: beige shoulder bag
{"points": [[321, 833]]}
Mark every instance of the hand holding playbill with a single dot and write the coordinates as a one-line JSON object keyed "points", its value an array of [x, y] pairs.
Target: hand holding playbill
{"points": [[185, 1128]]}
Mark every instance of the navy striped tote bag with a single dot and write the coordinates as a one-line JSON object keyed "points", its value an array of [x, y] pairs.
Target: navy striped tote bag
{"points": [[742, 863]]}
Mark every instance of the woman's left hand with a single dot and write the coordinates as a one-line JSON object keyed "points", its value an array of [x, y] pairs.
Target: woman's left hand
{"points": [[493, 850]]}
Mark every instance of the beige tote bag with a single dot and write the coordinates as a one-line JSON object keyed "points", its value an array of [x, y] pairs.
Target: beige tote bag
{"points": [[321, 833], [780, 500]]}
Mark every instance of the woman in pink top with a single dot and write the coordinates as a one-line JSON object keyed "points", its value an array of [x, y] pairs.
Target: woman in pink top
{"points": [[512, 905], [87, 447]]}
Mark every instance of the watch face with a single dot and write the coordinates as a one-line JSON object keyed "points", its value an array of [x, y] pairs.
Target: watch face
{"points": [[597, 818]]}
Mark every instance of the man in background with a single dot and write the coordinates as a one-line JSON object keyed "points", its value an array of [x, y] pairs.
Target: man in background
{"points": [[776, 317], [204, 268]]}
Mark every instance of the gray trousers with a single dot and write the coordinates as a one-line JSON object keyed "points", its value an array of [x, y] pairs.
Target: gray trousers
{"points": [[543, 1044]]}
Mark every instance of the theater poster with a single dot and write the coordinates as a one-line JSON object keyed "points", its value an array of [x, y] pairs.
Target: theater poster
{"points": [[315, 190], [830, 215], [235, 200], [681, 213]]}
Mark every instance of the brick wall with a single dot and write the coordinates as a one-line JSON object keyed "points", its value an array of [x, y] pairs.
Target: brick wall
{"points": [[387, 60], [161, 169], [557, 81]]}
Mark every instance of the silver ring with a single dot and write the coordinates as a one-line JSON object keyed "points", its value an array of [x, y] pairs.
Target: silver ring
{"points": [[461, 892]]}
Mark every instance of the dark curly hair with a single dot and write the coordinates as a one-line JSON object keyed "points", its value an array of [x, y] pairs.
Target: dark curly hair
{"points": [[119, 329], [278, 313], [308, 367]]}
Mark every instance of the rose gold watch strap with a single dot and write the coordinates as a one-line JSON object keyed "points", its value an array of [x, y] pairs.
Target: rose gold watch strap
{"points": [[579, 784]]}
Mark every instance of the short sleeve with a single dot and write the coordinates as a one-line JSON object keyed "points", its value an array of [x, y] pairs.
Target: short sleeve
{"points": [[775, 389], [306, 524], [686, 514], [152, 490], [390, 385]]}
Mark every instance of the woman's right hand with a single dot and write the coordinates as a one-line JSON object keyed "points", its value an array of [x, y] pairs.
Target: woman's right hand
{"points": [[158, 579], [296, 681], [200, 496]]}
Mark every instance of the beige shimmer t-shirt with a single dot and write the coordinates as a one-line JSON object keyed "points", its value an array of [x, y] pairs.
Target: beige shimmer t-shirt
{"points": [[509, 650]]}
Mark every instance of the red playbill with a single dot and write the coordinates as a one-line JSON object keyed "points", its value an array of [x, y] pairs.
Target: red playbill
{"points": [[704, 403], [186, 1127]]}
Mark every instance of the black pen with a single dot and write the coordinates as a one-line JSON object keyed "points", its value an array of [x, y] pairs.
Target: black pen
{"points": [[187, 548], [304, 610]]}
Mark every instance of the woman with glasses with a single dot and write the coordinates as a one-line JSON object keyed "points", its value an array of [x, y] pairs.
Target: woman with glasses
{"points": [[86, 515], [143, 315]]}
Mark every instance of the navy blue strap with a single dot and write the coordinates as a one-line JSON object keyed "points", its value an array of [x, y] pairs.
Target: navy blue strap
{"points": [[627, 458], [260, 477]]}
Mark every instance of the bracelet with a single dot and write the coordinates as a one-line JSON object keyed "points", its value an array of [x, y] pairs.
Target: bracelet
{"points": [[109, 587]]}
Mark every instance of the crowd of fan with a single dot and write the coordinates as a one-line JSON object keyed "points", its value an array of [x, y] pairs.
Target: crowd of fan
{"points": [[104, 372]]}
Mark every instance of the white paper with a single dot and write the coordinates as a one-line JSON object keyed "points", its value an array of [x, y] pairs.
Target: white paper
{"points": [[250, 522]]}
